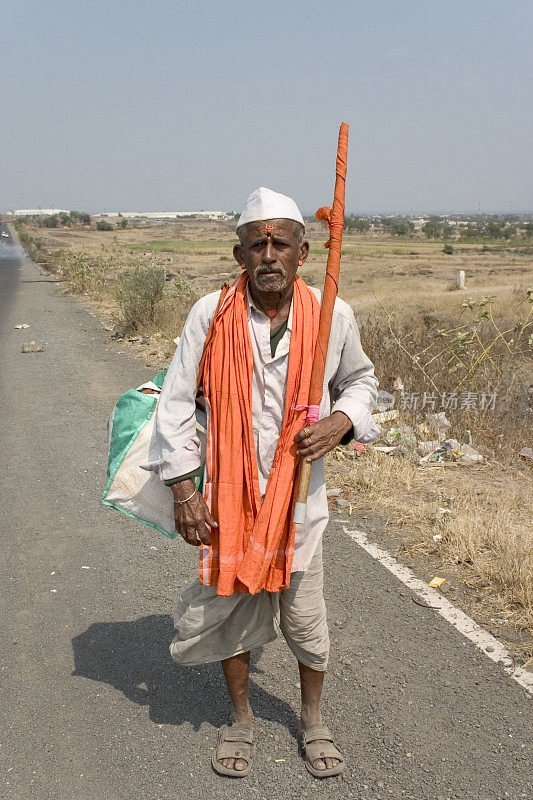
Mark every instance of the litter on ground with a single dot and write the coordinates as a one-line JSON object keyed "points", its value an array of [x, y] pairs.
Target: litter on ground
{"points": [[33, 347], [403, 440], [385, 416]]}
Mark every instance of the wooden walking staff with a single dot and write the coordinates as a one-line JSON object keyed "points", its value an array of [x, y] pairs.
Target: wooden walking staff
{"points": [[335, 219]]}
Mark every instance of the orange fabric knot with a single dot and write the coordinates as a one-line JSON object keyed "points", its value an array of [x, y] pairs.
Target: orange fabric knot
{"points": [[324, 214]]}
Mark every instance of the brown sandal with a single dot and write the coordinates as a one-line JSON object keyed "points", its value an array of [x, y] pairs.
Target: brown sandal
{"points": [[317, 742], [233, 742]]}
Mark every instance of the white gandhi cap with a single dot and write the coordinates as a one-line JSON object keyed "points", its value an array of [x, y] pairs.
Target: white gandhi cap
{"points": [[263, 203]]}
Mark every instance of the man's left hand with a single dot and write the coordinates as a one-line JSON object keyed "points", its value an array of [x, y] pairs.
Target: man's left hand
{"points": [[314, 441]]}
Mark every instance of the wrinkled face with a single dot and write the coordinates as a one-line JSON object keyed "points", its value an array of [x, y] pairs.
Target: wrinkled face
{"points": [[270, 251]]}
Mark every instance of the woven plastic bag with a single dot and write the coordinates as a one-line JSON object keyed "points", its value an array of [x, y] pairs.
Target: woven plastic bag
{"points": [[133, 491]]}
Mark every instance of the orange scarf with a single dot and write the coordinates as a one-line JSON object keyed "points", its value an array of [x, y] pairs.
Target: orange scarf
{"points": [[253, 547]]}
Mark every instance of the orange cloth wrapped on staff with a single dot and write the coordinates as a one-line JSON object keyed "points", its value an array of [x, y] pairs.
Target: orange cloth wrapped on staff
{"points": [[334, 217]]}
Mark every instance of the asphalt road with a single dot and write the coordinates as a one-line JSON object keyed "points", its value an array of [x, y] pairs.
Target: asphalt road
{"points": [[94, 709]]}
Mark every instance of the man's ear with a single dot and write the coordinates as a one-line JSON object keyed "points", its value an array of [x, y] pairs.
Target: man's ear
{"points": [[237, 254], [304, 251]]}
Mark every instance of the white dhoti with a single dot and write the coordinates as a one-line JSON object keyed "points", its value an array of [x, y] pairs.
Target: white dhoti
{"points": [[213, 628]]}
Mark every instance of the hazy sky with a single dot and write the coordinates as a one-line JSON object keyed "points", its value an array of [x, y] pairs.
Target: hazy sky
{"points": [[169, 105]]}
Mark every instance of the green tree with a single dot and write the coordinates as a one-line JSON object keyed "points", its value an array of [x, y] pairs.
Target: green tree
{"points": [[397, 226], [353, 223], [432, 228], [51, 222], [495, 229], [80, 216], [474, 230], [103, 225], [401, 227]]}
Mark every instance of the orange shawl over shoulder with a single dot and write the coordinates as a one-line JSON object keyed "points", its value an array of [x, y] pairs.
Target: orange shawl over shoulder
{"points": [[253, 547]]}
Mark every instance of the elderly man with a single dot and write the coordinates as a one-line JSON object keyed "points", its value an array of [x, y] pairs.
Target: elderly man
{"points": [[255, 564]]}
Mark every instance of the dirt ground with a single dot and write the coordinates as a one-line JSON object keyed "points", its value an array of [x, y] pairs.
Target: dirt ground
{"points": [[373, 267]]}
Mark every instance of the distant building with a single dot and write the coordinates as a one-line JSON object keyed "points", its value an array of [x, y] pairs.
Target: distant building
{"points": [[47, 212], [38, 212], [217, 215]]}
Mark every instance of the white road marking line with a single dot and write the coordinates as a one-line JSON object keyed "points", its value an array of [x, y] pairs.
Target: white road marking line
{"points": [[487, 643]]}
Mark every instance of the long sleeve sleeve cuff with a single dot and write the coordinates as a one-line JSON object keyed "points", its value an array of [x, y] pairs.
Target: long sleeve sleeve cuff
{"points": [[365, 429], [195, 473], [179, 462]]}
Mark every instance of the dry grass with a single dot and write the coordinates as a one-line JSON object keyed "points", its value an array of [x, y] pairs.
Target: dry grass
{"points": [[481, 517]]}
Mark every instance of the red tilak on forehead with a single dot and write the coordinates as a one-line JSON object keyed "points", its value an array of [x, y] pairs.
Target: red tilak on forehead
{"points": [[269, 229]]}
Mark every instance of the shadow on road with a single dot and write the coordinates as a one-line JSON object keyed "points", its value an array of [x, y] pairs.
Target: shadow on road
{"points": [[133, 657]]}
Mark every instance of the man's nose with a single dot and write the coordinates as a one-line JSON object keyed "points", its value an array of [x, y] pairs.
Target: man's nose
{"points": [[269, 253]]}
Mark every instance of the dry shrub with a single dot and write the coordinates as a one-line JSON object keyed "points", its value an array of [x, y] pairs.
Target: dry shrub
{"points": [[478, 349], [172, 310], [138, 292], [85, 274], [31, 245]]}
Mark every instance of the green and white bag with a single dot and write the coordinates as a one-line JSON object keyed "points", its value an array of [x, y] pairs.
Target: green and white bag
{"points": [[131, 490]]}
